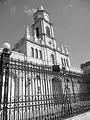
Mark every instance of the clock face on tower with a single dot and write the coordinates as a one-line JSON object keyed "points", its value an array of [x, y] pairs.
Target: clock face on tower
{"points": [[40, 16], [50, 42], [36, 18]]}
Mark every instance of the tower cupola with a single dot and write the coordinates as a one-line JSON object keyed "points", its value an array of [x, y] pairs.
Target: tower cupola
{"points": [[40, 8]]}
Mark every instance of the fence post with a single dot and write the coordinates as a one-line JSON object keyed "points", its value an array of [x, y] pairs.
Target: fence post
{"points": [[67, 95], [4, 69], [73, 89]]}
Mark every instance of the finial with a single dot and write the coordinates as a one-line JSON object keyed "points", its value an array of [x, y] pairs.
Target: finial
{"points": [[27, 32], [40, 7], [27, 29], [6, 46]]}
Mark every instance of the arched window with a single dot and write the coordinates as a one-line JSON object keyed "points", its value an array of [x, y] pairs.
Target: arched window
{"points": [[32, 52], [52, 59], [62, 61], [48, 31], [67, 63], [40, 54], [37, 32], [36, 52]]}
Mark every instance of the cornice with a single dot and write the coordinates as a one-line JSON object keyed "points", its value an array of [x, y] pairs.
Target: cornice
{"points": [[45, 46], [47, 36], [40, 20]]}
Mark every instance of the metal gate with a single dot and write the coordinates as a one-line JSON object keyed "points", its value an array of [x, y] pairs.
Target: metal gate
{"points": [[35, 92]]}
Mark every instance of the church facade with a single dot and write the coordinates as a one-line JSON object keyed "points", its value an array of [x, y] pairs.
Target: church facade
{"points": [[40, 46]]}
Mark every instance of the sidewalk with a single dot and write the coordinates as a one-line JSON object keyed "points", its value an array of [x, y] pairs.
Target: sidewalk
{"points": [[85, 116]]}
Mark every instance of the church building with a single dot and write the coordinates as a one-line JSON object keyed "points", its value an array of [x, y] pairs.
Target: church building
{"points": [[40, 46]]}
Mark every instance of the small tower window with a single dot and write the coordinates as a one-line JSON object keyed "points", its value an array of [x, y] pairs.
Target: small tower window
{"points": [[65, 50], [52, 59], [36, 51], [37, 32], [32, 52], [47, 31], [40, 54]]}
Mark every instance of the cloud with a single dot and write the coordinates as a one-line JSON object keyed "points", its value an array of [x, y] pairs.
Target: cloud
{"points": [[70, 6], [29, 11], [6, 2], [34, 10]]}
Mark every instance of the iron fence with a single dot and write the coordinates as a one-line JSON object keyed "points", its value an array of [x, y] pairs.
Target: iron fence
{"points": [[35, 92]]}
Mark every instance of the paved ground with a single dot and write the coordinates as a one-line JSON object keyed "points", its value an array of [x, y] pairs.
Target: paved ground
{"points": [[85, 116]]}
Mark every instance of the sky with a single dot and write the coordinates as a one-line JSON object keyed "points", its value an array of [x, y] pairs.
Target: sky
{"points": [[71, 20]]}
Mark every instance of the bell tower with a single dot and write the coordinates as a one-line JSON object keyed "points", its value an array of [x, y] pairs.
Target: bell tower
{"points": [[43, 33], [42, 29]]}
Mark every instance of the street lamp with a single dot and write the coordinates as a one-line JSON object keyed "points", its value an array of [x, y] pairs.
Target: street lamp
{"points": [[4, 72]]}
